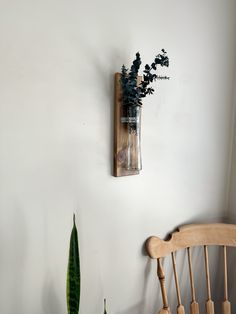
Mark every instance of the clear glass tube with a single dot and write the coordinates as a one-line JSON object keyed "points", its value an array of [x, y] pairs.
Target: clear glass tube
{"points": [[132, 119]]}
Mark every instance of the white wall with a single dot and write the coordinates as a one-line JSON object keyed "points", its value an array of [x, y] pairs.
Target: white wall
{"points": [[232, 189], [57, 60]]}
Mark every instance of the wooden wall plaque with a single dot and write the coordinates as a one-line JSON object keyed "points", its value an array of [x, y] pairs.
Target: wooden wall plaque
{"points": [[120, 134]]}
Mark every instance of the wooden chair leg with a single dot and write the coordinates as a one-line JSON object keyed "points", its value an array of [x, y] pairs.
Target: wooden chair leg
{"points": [[161, 276]]}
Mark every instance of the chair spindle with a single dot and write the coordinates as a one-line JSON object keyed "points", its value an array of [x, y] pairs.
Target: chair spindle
{"points": [[209, 302], [226, 306], [161, 276], [203, 236], [180, 307], [194, 306]]}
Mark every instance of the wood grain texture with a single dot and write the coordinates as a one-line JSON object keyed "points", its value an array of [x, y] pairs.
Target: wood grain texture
{"points": [[225, 274], [161, 277], [194, 308], [176, 279], [120, 134], [226, 307], [209, 302], [185, 237], [180, 309], [210, 307], [192, 235], [164, 311], [208, 281]]}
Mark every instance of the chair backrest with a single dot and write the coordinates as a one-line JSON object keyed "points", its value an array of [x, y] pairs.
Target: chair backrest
{"points": [[187, 237]]}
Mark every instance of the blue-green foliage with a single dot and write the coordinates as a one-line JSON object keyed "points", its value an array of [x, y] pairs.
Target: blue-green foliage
{"points": [[132, 93]]}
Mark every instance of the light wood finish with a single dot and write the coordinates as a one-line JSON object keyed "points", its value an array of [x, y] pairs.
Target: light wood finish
{"points": [[187, 237], [226, 306], [164, 311], [194, 306], [180, 307], [209, 302], [120, 134], [210, 307], [192, 235], [225, 275], [161, 277]]}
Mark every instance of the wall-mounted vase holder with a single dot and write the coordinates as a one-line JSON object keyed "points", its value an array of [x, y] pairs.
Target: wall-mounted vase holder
{"points": [[127, 135]]}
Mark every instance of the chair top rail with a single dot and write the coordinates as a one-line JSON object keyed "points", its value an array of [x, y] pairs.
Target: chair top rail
{"points": [[192, 235]]}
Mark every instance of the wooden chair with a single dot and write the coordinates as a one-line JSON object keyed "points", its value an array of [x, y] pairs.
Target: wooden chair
{"points": [[187, 237]]}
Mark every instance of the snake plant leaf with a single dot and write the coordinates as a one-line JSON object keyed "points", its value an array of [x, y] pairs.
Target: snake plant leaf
{"points": [[73, 273], [105, 306]]}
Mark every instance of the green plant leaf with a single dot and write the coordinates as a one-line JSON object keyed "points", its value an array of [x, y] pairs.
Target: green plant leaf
{"points": [[73, 273], [105, 307]]}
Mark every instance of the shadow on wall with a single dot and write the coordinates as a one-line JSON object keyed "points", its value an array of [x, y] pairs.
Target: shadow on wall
{"points": [[99, 70], [14, 249], [135, 309], [232, 277], [231, 256], [142, 306], [50, 301]]}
